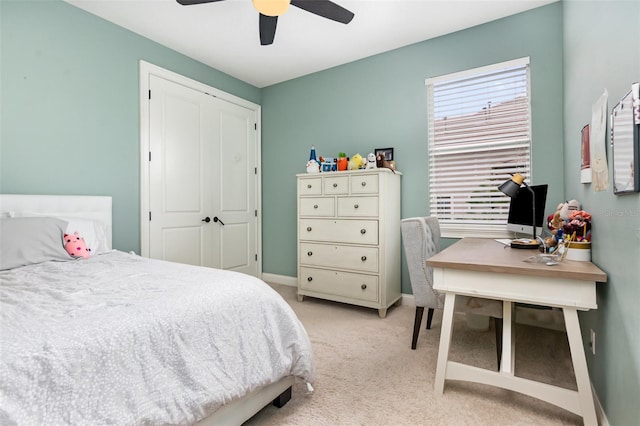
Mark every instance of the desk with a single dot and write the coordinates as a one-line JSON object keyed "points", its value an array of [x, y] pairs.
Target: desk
{"points": [[485, 268]]}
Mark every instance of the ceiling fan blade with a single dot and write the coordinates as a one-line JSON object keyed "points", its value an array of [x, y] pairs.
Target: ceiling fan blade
{"points": [[190, 2], [267, 29], [325, 8]]}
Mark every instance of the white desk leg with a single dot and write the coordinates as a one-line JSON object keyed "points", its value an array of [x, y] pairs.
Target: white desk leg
{"points": [[445, 342], [507, 365], [585, 396]]}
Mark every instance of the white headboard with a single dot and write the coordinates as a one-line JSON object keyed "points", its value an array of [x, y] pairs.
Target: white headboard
{"points": [[81, 206]]}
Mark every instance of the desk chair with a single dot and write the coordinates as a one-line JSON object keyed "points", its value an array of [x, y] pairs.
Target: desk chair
{"points": [[421, 240]]}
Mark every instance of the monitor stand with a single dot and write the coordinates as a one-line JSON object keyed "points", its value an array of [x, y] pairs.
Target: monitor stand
{"points": [[525, 243]]}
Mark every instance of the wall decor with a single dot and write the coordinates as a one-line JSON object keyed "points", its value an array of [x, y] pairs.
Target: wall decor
{"points": [[625, 143], [598, 144], [585, 164]]}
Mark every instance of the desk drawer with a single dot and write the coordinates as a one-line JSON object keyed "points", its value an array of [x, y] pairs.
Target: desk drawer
{"points": [[345, 284], [339, 231], [358, 206], [358, 258], [317, 206]]}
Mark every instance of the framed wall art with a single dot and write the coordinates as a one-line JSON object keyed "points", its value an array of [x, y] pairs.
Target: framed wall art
{"points": [[625, 143]]}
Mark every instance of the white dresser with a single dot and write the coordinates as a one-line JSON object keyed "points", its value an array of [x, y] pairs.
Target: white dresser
{"points": [[349, 237]]}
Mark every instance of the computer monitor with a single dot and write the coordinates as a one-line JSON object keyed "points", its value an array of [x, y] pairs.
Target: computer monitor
{"points": [[521, 210]]}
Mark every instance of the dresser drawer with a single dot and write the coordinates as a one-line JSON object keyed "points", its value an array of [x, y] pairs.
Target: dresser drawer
{"points": [[317, 206], [339, 231], [365, 184], [310, 186], [336, 185], [363, 259], [358, 206], [345, 284]]}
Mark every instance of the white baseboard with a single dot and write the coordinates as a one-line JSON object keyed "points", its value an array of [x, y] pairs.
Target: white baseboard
{"points": [[280, 279], [600, 414], [407, 299]]}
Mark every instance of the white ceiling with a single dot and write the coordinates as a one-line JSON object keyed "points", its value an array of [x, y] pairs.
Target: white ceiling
{"points": [[224, 35]]}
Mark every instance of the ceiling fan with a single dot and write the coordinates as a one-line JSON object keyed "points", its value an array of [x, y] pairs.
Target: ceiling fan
{"points": [[271, 9]]}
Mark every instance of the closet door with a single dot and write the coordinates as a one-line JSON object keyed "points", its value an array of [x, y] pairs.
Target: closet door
{"points": [[202, 179]]}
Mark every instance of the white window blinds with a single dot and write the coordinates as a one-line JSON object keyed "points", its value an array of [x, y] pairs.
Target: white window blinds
{"points": [[479, 134]]}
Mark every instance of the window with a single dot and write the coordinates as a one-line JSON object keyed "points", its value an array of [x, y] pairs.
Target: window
{"points": [[479, 135]]}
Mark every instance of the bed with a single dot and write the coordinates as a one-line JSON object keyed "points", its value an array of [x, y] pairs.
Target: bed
{"points": [[121, 339]]}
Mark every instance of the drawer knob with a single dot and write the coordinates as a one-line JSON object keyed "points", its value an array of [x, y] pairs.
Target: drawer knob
{"points": [[335, 185], [363, 286], [309, 186], [315, 206], [364, 183], [363, 258], [308, 228], [363, 231], [309, 253], [309, 279], [355, 206]]}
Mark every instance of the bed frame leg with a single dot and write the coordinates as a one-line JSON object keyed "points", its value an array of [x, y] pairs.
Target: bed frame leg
{"points": [[283, 398]]}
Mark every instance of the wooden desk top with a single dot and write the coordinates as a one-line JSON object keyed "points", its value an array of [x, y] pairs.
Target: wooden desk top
{"points": [[488, 255]]}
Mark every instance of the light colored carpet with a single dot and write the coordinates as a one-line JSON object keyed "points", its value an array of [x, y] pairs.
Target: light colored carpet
{"points": [[366, 372]]}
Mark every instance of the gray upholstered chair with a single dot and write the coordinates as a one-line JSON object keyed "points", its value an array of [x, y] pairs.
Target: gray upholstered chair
{"points": [[421, 240]]}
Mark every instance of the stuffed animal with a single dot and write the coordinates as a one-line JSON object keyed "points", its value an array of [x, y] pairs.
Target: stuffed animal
{"points": [[382, 162], [356, 162], [313, 166], [75, 246], [555, 222], [566, 208], [371, 161]]}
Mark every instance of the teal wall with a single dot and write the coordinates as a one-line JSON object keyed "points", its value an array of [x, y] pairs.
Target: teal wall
{"points": [[70, 109], [381, 101], [69, 124], [606, 56]]}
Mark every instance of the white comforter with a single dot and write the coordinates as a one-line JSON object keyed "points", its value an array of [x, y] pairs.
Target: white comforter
{"points": [[120, 339]]}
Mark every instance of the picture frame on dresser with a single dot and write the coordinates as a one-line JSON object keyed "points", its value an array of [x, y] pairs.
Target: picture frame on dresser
{"points": [[388, 153]]}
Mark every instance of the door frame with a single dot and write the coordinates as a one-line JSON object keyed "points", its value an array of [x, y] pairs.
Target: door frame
{"points": [[146, 70]]}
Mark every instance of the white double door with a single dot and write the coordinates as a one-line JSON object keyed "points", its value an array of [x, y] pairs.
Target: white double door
{"points": [[202, 179]]}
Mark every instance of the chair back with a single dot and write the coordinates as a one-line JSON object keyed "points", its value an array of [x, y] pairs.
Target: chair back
{"points": [[421, 240]]}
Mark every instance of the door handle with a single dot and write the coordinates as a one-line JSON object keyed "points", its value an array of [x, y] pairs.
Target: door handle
{"points": [[207, 219], [215, 219]]}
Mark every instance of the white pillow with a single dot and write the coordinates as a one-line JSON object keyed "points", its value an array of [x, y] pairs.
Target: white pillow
{"points": [[93, 231]]}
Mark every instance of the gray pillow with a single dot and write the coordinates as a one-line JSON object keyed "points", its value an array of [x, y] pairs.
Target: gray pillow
{"points": [[29, 240]]}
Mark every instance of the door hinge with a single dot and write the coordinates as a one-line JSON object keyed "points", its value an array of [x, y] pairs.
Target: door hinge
{"points": [[255, 170], [149, 155], [255, 126], [256, 212], [149, 216], [256, 257], [149, 94]]}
